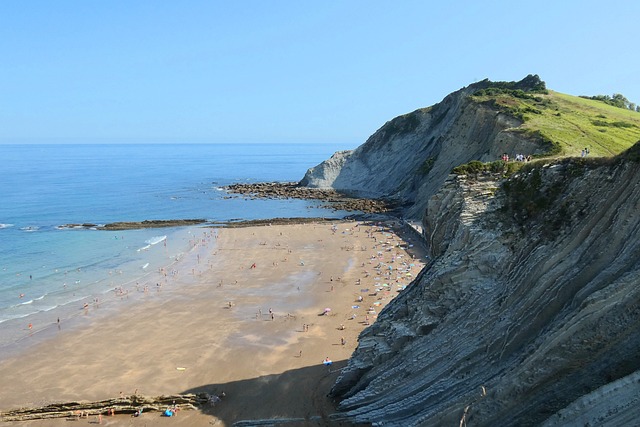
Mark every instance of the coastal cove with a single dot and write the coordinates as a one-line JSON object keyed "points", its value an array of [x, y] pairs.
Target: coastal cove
{"points": [[103, 296], [49, 272], [244, 312]]}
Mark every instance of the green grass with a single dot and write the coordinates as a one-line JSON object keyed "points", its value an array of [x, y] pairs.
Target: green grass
{"points": [[475, 167], [571, 123]]}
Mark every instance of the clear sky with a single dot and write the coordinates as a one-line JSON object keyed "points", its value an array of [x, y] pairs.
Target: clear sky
{"points": [[288, 71]]}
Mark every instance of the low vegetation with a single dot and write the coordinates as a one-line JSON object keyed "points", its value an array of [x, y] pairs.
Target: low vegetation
{"points": [[565, 124], [476, 167], [425, 168], [617, 100], [568, 123]]}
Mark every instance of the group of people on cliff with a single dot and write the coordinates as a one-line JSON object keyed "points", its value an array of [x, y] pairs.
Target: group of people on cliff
{"points": [[517, 158]]}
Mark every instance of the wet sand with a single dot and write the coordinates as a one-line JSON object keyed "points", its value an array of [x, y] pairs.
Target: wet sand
{"points": [[210, 316]]}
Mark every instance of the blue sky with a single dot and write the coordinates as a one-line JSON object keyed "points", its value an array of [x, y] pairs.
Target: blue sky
{"points": [[287, 71]]}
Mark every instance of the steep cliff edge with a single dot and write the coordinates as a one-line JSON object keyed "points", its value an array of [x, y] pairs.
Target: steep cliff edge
{"points": [[409, 157], [530, 302]]}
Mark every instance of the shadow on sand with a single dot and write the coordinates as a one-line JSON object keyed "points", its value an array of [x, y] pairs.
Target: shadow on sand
{"points": [[295, 394]]}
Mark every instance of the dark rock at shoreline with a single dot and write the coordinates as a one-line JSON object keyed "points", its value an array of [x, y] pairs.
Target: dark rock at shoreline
{"points": [[293, 190], [268, 190], [134, 225], [270, 221], [122, 405], [155, 223], [83, 225]]}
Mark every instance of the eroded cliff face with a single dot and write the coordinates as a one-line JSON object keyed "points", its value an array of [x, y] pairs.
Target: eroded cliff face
{"points": [[410, 157], [531, 300]]}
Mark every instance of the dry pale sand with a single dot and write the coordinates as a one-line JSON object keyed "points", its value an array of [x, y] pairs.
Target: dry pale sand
{"points": [[267, 368]]}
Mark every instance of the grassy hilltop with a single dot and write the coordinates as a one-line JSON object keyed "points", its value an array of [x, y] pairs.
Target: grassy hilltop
{"points": [[566, 123]]}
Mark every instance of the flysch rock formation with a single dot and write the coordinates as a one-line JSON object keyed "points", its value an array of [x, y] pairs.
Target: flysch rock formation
{"points": [[528, 312], [409, 157]]}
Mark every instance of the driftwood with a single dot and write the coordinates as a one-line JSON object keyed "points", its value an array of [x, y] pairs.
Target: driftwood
{"points": [[123, 405]]}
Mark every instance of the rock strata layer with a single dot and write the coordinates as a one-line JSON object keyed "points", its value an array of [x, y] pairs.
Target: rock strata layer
{"points": [[122, 405], [529, 303]]}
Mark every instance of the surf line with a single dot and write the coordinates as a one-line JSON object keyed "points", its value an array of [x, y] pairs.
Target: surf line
{"points": [[152, 241]]}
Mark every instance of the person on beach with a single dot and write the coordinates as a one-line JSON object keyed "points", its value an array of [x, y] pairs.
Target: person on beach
{"points": [[328, 362]]}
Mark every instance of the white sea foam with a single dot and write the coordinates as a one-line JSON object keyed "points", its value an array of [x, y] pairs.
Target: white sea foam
{"points": [[152, 241], [81, 264], [145, 266], [19, 316], [155, 240]]}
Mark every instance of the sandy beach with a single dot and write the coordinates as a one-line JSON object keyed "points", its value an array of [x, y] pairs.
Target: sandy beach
{"points": [[251, 312]]}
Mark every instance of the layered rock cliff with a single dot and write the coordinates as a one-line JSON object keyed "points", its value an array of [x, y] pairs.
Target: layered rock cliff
{"points": [[409, 157], [529, 308]]}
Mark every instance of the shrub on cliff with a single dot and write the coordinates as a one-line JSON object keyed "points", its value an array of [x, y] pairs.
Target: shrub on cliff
{"points": [[475, 167]]}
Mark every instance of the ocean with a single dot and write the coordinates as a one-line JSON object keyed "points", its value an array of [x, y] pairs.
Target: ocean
{"points": [[48, 272]]}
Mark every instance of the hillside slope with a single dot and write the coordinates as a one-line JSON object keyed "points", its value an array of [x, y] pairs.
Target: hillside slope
{"points": [[530, 302], [409, 158]]}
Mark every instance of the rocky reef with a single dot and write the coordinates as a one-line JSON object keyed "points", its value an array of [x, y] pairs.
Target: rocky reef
{"points": [[334, 199], [135, 225], [527, 313]]}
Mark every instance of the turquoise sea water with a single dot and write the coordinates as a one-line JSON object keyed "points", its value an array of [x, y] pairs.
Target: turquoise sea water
{"points": [[48, 272]]}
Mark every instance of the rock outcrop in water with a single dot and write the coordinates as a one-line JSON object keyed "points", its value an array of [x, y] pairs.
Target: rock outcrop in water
{"points": [[528, 311]]}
